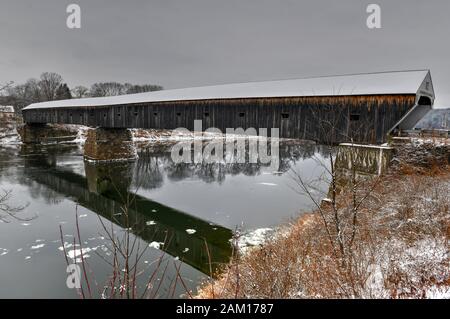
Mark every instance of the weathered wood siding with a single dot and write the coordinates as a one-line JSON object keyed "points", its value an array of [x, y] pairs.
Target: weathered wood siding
{"points": [[366, 119]]}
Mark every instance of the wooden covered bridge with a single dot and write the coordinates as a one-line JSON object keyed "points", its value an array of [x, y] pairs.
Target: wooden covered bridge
{"points": [[362, 107]]}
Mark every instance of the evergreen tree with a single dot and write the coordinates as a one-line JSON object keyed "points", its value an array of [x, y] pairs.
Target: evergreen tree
{"points": [[63, 92]]}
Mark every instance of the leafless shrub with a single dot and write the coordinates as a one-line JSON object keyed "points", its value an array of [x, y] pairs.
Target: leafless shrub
{"points": [[7, 211], [381, 238], [124, 258]]}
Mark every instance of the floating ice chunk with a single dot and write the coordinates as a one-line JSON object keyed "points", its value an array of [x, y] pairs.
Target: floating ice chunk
{"points": [[67, 245], [185, 250], [82, 216], [155, 244], [191, 231], [154, 210], [28, 257], [75, 253], [268, 184], [150, 223], [37, 246], [25, 224]]}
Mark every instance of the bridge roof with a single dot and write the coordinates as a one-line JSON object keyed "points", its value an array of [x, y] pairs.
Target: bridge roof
{"points": [[6, 109], [398, 82]]}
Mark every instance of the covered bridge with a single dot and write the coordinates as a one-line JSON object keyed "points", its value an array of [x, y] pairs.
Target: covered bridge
{"points": [[365, 107]]}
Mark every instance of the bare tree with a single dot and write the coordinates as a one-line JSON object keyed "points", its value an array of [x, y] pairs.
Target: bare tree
{"points": [[107, 89], [49, 84], [5, 86], [341, 206], [24, 94], [131, 89], [341, 235], [80, 92], [115, 88]]}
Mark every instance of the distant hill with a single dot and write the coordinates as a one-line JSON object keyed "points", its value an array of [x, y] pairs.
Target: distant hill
{"points": [[438, 119]]}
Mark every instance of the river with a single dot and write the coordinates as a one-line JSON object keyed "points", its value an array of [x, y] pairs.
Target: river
{"points": [[181, 216]]}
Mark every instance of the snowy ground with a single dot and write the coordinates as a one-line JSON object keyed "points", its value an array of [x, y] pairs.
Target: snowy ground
{"points": [[254, 238], [10, 135], [401, 249]]}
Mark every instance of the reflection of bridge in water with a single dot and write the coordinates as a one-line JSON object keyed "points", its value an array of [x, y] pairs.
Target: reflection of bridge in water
{"points": [[155, 164], [105, 187], [104, 190]]}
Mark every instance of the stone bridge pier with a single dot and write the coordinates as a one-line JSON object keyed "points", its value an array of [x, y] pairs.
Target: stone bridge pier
{"points": [[109, 144], [42, 133], [102, 144]]}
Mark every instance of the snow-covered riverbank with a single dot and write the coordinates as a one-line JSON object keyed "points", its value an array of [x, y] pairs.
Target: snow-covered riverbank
{"points": [[400, 247]]}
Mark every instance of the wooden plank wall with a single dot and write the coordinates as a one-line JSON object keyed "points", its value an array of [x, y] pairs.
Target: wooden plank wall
{"points": [[366, 119]]}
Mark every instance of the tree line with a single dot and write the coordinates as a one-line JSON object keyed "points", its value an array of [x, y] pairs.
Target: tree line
{"points": [[51, 87]]}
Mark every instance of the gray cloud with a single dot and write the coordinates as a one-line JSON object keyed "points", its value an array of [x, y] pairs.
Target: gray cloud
{"points": [[182, 43]]}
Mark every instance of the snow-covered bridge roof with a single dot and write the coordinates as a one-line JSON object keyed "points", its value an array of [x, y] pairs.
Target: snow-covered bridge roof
{"points": [[399, 82], [6, 109]]}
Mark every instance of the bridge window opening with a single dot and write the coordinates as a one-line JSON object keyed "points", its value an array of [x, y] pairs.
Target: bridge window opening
{"points": [[284, 115], [424, 100], [136, 113], [104, 115], [155, 114], [354, 117], [241, 114], [206, 114], [178, 114], [118, 114]]}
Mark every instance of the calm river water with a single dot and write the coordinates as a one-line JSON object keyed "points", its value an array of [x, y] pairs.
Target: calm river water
{"points": [[175, 209]]}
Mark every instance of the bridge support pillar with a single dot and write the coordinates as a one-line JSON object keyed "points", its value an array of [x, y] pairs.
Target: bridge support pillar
{"points": [[37, 133], [108, 144]]}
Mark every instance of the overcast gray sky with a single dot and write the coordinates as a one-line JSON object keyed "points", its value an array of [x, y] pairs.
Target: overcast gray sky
{"points": [[183, 43]]}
